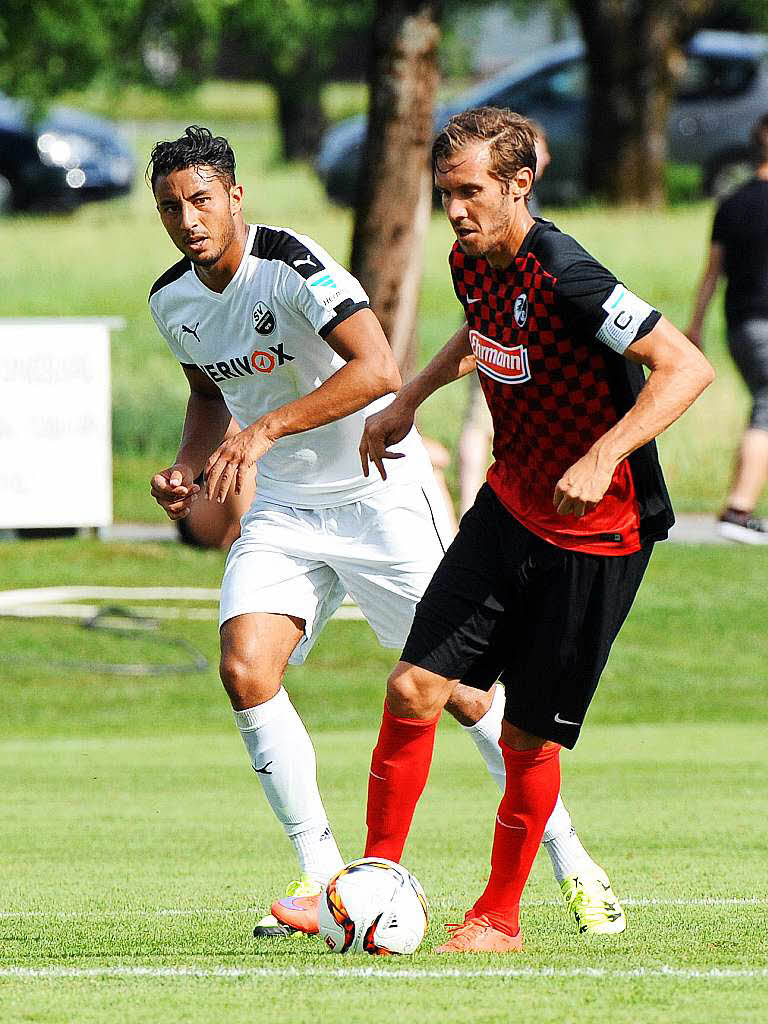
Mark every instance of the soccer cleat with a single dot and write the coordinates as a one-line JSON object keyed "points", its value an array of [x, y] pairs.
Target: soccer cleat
{"points": [[477, 935], [743, 527], [272, 927], [297, 910], [590, 898]]}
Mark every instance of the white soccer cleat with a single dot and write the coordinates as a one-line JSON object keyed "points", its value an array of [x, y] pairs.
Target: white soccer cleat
{"points": [[591, 900]]}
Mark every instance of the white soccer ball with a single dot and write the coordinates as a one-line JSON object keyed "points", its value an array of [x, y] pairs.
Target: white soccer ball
{"points": [[374, 906]]}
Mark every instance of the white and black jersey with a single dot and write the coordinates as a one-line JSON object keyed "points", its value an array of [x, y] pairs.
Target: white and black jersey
{"points": [[261, 342]]}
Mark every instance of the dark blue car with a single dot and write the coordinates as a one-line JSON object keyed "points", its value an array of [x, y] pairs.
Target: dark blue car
{"points": [[69, 157]]}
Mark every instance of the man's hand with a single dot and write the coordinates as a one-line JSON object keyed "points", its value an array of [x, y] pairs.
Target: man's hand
{"points": [[383, 429], [234, 460], [582, 486], [174, 489]]}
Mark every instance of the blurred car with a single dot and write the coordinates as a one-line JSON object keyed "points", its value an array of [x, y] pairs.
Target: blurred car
{"points": [[722, 91], [67, 158]]}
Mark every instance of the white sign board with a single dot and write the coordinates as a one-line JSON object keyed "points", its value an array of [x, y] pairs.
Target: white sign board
{"points": [[55, 423]]}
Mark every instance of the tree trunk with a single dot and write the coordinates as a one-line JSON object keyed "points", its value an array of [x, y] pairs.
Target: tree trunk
{"points": [[631, 46], [395, 189], [299, 114]]}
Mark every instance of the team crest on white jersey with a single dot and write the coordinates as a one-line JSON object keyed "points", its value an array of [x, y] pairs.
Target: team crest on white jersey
{"points": [[506, 365], [520, 309], [263, 318]]}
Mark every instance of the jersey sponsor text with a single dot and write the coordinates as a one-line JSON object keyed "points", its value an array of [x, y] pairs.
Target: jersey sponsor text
{"points": [[242, 366], [507, 365]]}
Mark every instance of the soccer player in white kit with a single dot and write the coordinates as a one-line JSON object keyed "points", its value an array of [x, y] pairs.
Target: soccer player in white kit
{"points": [[270, 330]]}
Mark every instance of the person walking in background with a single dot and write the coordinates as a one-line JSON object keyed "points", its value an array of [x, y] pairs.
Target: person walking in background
{"points": [[739, 250]]}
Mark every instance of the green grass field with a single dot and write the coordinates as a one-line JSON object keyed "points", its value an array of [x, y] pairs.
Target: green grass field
{"points": [[138, 849]]}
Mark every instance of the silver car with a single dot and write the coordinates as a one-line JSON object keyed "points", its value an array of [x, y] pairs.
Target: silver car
{"points": [[721, 93]]}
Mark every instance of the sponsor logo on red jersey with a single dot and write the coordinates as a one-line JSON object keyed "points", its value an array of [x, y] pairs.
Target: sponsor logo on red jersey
{"points": [[507, 365]]}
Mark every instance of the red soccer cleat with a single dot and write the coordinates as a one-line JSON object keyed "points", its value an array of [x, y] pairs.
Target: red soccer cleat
{"points": [[477, 935]]}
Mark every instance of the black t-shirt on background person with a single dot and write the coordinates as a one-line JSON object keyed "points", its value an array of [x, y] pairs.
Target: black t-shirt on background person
{"points": [[741, 228]]}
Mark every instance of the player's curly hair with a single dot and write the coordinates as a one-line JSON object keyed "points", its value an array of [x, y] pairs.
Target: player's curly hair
{"points": [[511, 140], [197, 146]]}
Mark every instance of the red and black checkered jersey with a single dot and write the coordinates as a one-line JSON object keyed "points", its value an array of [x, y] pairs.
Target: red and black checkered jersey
{"points": [[549, 333]]}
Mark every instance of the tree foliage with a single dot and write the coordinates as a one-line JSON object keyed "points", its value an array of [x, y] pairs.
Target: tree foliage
{"points": [[52, 45], [291, 44]]}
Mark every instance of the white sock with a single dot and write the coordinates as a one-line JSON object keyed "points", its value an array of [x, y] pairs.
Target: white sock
{"points": [[485, 735], [283, 757], [562, 844]]}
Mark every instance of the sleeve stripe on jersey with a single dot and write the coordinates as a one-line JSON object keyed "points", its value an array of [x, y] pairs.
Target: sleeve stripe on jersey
{"points": [[343, 311], [172, 274], [272, 244]]}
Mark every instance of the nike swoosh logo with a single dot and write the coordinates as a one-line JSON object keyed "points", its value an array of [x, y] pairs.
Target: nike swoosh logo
{"points": [[473, 300], [564, 721], [264, 770], [292, 903], [377, 776]]}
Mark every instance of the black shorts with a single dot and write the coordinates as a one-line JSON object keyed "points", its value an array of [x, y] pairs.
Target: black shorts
{"points": [[506, 604]]}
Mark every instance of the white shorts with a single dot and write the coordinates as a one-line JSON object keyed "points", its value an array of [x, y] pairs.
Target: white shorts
{"points": [[381, 551]]}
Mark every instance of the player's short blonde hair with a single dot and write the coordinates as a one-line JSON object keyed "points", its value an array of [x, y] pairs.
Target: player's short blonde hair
{"points": [[511, 140]]}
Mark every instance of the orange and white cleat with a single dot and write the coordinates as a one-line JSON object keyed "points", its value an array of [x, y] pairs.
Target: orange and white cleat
{"points": [[477, 935], [298, 911]]}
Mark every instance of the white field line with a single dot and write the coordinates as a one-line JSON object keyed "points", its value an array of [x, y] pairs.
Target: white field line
{"points": [[665, 971], [109, 915], [51, 602]]}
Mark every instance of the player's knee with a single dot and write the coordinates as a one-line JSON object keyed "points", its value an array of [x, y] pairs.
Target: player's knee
{"points": [[246, 684], [414, 693], [468, 704], [519, 739]]}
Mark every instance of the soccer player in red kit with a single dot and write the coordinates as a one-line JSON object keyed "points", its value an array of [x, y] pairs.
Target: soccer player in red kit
{"points": [[547, 562]]}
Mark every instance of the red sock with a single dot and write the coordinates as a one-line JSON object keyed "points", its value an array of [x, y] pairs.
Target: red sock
{"points": [[533, 782], [399, 770]]}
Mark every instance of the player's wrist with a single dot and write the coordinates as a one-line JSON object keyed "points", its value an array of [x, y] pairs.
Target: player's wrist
{"points": [[188, 465], [273, 426], [409, 397], [607, 454]]}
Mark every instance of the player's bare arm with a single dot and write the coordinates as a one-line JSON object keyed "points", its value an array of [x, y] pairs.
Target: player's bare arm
{"points": [[705, 291], [369, 373], [391, 425], [678, 374], [205, 424]]}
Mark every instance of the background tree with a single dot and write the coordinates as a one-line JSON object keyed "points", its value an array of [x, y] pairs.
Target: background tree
{"points": [[291, 44], [395, 194], [631, 56]]}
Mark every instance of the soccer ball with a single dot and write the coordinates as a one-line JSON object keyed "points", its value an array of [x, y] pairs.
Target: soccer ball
{"points": [[375, 906]]}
